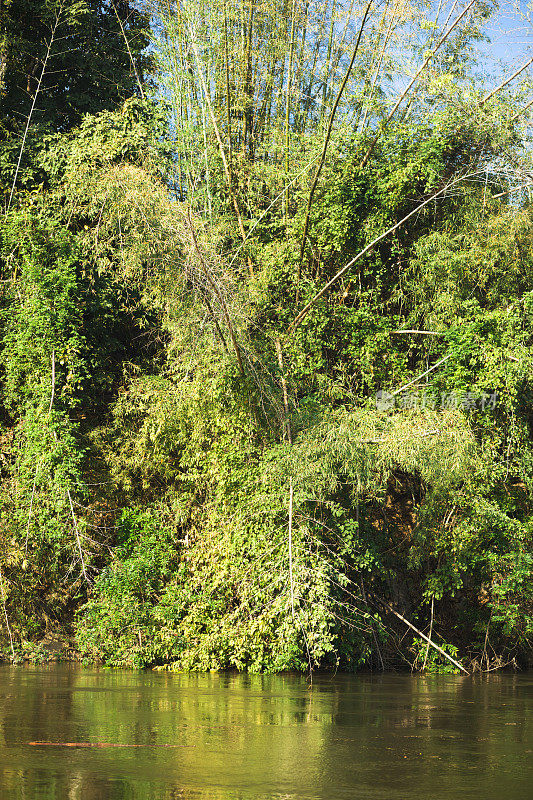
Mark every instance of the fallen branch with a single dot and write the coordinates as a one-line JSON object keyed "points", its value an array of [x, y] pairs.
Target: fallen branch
{"points": [[426, 638], [97, 744]]}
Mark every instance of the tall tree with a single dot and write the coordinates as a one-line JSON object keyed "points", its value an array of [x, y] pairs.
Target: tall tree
{"points": [[93, 63]]}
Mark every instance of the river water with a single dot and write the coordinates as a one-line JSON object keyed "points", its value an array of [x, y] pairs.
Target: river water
{"points": [[238, 737]]}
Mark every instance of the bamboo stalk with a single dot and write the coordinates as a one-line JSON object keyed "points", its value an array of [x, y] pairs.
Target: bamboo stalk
{"points": [[219, 295], [507, 81], [290, 545], [219, 141], [69, 496], [301, 62], [228, 92], [215, 323], [284, 389], [422, 375], [427, 333], [133, 64], [328, 59], [305, 115], [52, 393], [303, 313], [378, 68], [413, 81], [206, 161], [248, 100], [34, 101], [343, 36], [430, 631], [326, 142], [287, 108], [272, 204], [5, 613], [519, 113], [78, 537]]}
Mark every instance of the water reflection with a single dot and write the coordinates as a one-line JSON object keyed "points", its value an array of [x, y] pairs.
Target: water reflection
{"points": [[235, 737]]}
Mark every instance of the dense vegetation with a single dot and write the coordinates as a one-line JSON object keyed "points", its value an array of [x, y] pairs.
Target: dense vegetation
{"points": [[266, 337]]}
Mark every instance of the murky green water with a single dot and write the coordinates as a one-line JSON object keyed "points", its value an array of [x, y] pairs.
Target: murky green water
{"points": [[392, 737]]}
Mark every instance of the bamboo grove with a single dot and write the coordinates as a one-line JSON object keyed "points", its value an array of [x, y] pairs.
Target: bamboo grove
{"points": [[262, 84], [266, 313]]}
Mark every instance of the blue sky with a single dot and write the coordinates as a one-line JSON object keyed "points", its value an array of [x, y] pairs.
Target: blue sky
{"points": [[511, 33]]}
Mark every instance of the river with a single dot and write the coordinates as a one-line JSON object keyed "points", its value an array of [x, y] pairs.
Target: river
{"points": [[240, 737]]}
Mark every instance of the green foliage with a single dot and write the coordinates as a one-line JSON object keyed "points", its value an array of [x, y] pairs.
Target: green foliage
{"points": [[68, 326], [119, 626], [178, 492], [431, 660], [42, 322], [132, 134]]}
